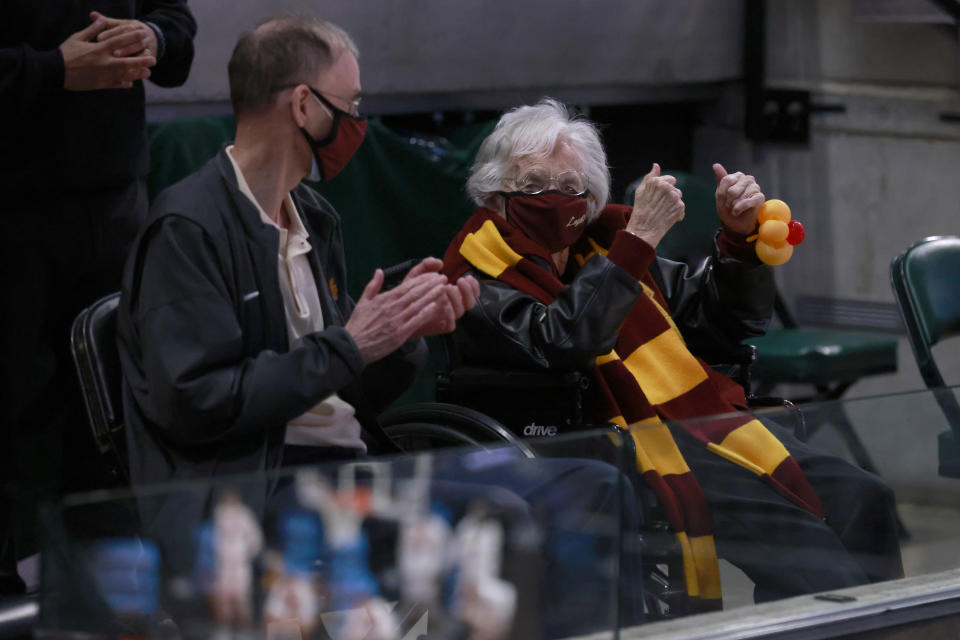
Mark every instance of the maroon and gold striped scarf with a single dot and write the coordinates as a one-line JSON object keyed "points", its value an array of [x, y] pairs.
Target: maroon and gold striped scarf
{"points": [[649, 377]]}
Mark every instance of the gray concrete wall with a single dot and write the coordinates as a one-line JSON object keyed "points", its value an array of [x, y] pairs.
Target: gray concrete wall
{"points": [[826, 40], [442, 46], [873, 178], [872, 181]]}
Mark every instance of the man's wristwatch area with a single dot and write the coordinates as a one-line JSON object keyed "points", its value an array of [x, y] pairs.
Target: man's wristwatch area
{"points": [[161, 41]]}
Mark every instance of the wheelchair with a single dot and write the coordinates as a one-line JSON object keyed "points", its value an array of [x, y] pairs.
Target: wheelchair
{"points": [[545, 405]]}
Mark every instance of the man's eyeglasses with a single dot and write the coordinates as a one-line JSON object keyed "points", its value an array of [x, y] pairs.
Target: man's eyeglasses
{"points": [[353, 104], [534, 181]]}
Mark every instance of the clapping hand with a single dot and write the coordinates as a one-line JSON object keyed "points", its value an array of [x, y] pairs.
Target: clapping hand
{"points": [[423, 304], [460, 297]]}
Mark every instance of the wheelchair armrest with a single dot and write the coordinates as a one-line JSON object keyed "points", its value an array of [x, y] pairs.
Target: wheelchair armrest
{"points": [[738, 369], [772, 402]]}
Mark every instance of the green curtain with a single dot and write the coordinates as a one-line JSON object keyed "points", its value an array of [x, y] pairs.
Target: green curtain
{"points": [[396, 203], [397, 200], [180, 147]]}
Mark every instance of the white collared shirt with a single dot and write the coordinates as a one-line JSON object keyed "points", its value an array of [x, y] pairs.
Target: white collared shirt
{"points": [[332, 422]]}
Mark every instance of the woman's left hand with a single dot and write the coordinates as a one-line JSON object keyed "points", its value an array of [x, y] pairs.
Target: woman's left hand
{"points": [[738, 199]]}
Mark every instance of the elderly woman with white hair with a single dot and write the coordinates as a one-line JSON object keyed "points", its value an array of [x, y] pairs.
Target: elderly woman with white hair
{"points": [[570, 282]]}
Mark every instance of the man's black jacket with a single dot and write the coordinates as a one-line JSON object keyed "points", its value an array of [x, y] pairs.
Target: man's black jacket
{"points": [[209, 381]]}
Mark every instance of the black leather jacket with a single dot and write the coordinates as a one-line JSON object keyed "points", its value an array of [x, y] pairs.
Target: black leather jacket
{"points": [[716, 304]]}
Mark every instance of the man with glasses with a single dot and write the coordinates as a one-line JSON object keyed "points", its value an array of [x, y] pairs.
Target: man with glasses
{"points": [[240, 348]]}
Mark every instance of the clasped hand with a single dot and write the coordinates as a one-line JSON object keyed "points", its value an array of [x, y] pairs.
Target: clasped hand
{"points": [[424, 304], [108, 54]]}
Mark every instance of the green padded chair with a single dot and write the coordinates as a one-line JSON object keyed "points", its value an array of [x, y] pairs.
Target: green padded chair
{"points": [[925, 284], [830, 361]]}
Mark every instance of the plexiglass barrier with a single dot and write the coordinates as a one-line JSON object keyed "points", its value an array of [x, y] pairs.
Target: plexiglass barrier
{"points": [[601, 531], [878, 551], [485, 543]]}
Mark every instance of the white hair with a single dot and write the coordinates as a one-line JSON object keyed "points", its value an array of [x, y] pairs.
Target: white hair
{"points": [[535, 131]]}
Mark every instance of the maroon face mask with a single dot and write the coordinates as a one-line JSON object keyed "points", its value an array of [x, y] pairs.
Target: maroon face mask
{"points": [[552, 219], [332, 154]]}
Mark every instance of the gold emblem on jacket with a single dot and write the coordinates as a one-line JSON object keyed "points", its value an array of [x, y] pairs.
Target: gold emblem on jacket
{"points": [[334, 290]]}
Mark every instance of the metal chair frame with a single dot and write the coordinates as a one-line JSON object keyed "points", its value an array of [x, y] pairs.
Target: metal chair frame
{"points": [[99, 383]]}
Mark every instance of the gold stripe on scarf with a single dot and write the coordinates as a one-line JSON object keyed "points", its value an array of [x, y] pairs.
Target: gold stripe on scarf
{"points": [[646, 422], [664, 368], [582, 258], [488, 251], [700, 568], [656, 449], [689, 565], [610, 357], [619, 421], [708, 571], [753, 447]]}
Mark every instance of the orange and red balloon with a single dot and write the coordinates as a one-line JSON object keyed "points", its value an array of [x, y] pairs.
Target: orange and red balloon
{"points": [[777, 234]]}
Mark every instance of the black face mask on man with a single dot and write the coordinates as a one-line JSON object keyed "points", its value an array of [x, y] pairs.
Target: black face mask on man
{"points": [[552, 219], [332, 154]]}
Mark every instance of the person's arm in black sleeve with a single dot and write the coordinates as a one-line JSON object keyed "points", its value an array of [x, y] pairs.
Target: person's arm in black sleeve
{"points": [[721, 301], [510, 328], [385, 380], [202, 387], [26, 76], [175, 27]]}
